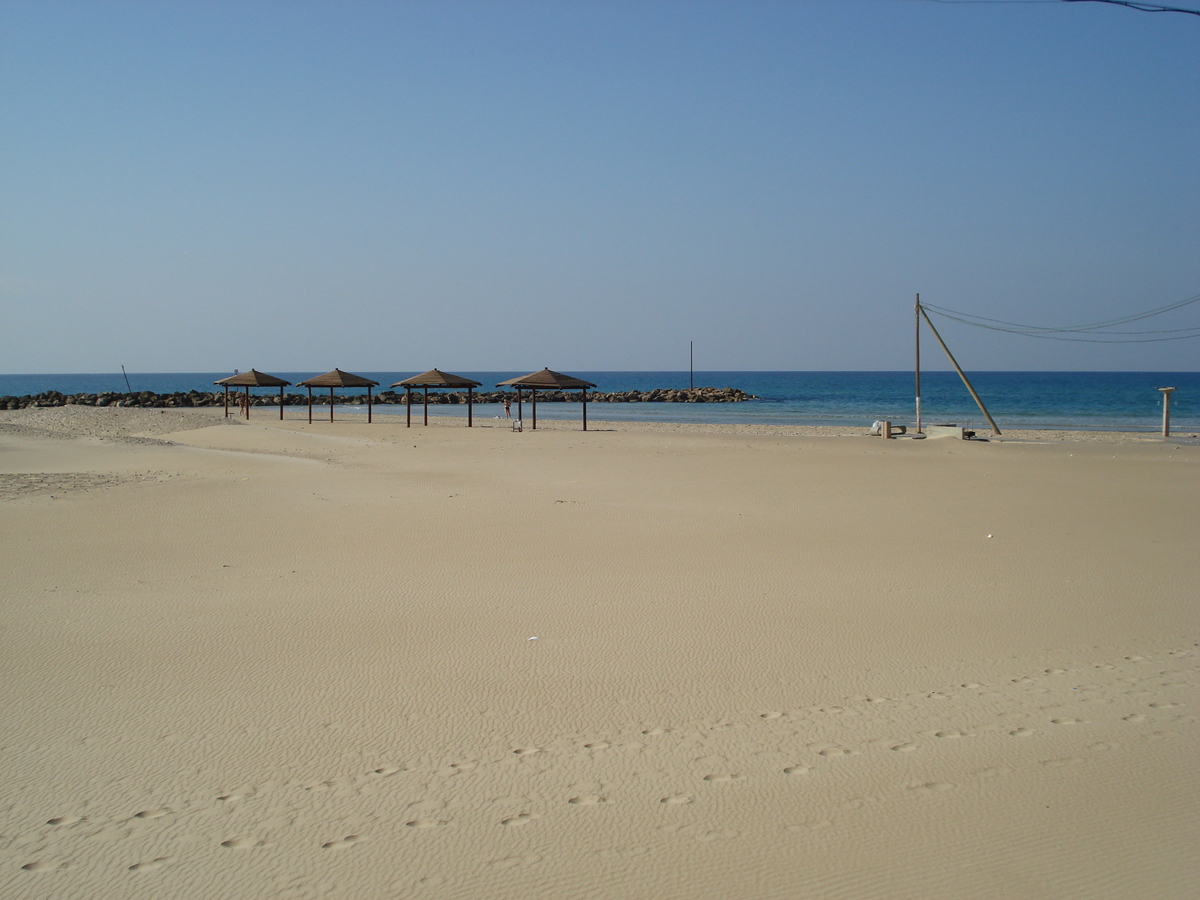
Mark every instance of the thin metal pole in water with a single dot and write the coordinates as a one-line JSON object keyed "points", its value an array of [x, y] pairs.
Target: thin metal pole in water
{"points": [[917, 316], [961, 373], [1166, 392], [691, 365], [127, 387]]}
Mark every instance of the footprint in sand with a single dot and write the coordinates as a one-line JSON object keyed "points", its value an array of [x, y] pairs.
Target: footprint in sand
{"points": [[388, 771], [952, 735], [243, 843], [348, 841], [587, 800], [597, 745], [66, 820], [1135, 717], [1060, 763], [513, 862], [521, 819], [1067, 720], [152, 813], [42, 865], [655, 732], [770, 715], [1163, 704], [1160, 735], [1023, 732], [720, 777], [932, 786], [150, 865], [427, 823], [797, 770], [906, 747], [527, 751], [677, 799]]}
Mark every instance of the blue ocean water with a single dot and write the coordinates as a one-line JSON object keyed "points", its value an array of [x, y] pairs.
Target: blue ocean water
{"points": [[1117, 401]]}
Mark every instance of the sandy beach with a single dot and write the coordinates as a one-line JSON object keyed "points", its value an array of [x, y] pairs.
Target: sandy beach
{"points": [[274, 659]]}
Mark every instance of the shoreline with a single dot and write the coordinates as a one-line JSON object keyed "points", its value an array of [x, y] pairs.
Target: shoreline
{"points": [[114, 421]]}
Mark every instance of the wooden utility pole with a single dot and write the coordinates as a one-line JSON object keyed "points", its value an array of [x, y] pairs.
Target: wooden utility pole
{"points": [[958, 369]]}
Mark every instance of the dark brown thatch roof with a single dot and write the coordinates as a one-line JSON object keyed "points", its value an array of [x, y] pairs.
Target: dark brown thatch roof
{"points": [[337, 378], [253, 378], [437, 378], [547, 380]]}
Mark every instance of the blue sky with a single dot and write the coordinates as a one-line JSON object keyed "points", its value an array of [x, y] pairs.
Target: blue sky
{"points": [[590, 185]]}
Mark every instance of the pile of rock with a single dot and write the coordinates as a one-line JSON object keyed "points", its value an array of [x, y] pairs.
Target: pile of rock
{"points": [[146, 399]]}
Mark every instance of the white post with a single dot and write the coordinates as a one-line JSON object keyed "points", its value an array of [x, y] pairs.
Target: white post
{"points": [[1166, 392]]}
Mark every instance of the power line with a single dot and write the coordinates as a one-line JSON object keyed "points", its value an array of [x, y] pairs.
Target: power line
{"points": [[1094, 331], [1141, 7], [1129, 4]]}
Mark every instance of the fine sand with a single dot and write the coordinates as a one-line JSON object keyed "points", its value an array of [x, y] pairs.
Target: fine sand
{"points": [[275, 659]]}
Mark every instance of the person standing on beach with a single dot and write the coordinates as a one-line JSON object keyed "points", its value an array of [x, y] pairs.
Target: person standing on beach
{"points": [[507, 408]]}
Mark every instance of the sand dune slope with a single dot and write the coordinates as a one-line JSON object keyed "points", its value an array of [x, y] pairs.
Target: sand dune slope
{"points": [[282, 660]]}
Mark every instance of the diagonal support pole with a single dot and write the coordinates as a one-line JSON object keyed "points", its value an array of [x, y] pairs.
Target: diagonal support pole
{"points": [[958, 369]]}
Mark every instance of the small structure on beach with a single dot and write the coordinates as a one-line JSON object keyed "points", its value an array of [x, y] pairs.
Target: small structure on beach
{"points": [[247, 380], [338, 379], [547, 380], [436, 378]]}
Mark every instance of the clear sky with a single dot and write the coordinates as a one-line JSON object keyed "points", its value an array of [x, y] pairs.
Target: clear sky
{"points": [[199, 186]]}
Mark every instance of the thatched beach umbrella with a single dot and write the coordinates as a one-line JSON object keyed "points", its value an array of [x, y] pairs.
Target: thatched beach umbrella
{"points": [[338, 379], [253, 378], [435, 378], [546, 380]]}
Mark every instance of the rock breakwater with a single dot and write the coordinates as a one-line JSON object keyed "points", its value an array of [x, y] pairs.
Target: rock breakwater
{"points": [[182, 400]]}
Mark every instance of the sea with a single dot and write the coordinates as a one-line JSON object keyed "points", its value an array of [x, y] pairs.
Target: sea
{"points": [[1101, 401]]}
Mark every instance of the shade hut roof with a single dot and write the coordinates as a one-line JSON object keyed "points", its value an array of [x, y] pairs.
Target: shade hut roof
{"points": [[437, 378], [547, 380], [338, 378], [253, 378]]}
